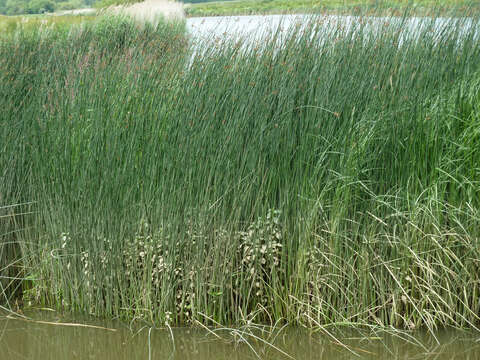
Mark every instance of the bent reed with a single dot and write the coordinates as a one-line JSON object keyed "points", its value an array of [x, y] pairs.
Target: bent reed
{"points": [[329, 178]]}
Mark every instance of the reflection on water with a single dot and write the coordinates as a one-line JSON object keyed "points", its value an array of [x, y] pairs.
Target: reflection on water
{"points": [[20, 339]]}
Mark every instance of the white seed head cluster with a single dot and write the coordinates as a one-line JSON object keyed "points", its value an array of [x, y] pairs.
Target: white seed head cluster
{"points": [[152, 255], [160, 267], [261, 251]]}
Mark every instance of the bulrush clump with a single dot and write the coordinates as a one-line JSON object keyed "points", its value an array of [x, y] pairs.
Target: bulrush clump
{"points": [[328, 174]]}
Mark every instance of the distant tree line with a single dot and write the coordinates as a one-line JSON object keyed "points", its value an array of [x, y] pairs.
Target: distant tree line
{"points": [[18, 7], [199, 1]]}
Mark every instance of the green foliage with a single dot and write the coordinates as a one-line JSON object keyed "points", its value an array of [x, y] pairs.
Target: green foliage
{"points": [[69, 5], [40, 6], [24, 7], [200, 1], [328, 178], [14, 7]]}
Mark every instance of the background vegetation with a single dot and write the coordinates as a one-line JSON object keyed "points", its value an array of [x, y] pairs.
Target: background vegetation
{"points": [[245, 7], [329, 177], [250, 7], [19, 7]]}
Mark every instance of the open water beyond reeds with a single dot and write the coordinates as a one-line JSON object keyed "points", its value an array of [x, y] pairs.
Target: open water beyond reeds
{"points": [[51, 336], [263, 27]]}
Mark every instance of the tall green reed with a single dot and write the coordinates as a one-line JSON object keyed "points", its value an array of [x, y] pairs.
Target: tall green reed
{"points": [[331, 179]]}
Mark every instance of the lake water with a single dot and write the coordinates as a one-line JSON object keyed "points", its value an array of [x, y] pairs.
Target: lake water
{"points": [[259, 27], [47, 338]]}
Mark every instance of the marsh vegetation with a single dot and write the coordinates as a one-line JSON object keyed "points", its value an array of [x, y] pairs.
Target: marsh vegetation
{"points": [[329, 180]]}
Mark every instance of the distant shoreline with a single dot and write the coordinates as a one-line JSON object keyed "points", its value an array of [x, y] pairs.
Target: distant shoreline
{"points": [[279, 7], [274, 7], [85, 11]]}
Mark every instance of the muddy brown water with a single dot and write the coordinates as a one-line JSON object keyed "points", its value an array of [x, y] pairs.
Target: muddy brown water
{"points": [[49, 338]]}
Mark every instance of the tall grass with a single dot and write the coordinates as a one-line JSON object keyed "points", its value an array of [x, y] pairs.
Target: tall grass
{"points": [[332, 179], [11, 254], [10, 24]]}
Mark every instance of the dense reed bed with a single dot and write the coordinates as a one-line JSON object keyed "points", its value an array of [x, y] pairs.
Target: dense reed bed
{"points": [[330, 178]]}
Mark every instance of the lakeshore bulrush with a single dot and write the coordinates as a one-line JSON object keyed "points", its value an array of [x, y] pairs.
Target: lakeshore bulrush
{"points": [[344, 190]]}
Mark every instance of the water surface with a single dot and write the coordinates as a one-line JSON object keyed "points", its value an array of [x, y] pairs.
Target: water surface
{"points": [[21, 339], [261, 27]]}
